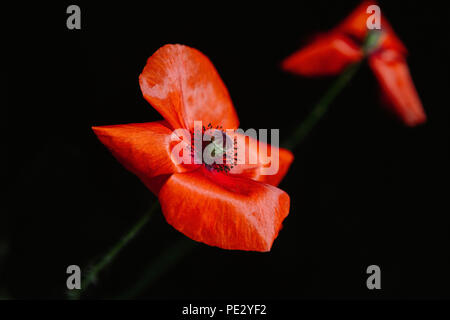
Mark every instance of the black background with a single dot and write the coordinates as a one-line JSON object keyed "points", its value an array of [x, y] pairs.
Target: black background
{"points": [[364, 189]]}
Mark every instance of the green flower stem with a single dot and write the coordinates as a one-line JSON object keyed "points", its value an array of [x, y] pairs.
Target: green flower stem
{"points": [[93, 272], [160, 265], [370, 44], [321, 107]]}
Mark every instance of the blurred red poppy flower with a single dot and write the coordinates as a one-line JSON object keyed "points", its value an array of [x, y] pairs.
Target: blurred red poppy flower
{"points": [[236, 208], [330, 53]]}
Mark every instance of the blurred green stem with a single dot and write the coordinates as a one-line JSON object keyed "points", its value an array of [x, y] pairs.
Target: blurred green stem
{"points": [[93, 272], [370, 44], [160, 265], [319, 110]]}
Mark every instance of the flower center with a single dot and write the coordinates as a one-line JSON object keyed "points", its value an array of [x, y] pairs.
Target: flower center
{"points": [[372, 41], [214, 149]]}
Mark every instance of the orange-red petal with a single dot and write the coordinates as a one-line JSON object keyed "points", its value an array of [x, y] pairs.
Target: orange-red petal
{"points": [[393, 75], [391, 41], [224, 211], [249, 149], [284, 162], [142, 148], [328, 54], [355, 25], [183, 85]]}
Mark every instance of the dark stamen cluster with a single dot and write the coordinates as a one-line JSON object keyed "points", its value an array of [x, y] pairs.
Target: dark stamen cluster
{"points": [[229, 159]]}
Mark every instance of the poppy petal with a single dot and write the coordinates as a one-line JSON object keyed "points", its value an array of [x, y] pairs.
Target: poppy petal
{"points": [[183, 85], [284, 162], [142, 148], [257, 159], [391, 41], [355, 25], [224, 211], [393, 75], [328, 54]]}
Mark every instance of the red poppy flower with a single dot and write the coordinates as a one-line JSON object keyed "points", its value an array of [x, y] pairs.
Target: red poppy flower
{"points": [[331, 52], [231, 208]]}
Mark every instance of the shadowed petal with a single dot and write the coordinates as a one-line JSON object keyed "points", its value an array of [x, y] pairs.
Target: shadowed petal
{"points": [[142, 148], [328, 54], [395, 81], [224, 211]]}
